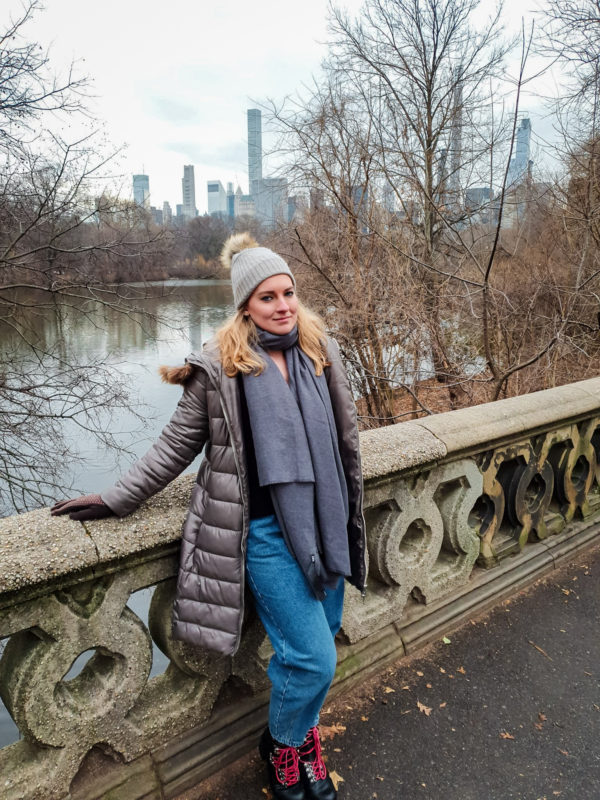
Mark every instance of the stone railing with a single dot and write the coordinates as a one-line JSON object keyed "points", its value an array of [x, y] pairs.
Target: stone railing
{"points": [[448, 499]]}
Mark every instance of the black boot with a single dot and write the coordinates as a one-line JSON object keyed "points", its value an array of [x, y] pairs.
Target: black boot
{"points": [[282, 768], [317, 783]]}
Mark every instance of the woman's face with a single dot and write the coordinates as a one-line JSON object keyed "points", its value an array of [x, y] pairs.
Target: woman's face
{"points": [[273, 305]]}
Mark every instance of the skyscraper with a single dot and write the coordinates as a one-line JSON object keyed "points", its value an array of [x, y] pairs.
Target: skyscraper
{"points": [[217, 199], [141, 190], [230, 201], [188, 190], [254, 150], [520, 165]]}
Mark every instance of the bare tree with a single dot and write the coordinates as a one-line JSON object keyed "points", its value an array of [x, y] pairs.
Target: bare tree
{"points": [[63, 238], [483, 300]]}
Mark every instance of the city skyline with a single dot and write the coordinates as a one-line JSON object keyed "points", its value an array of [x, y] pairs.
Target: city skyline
{"points": [[185, 102]]}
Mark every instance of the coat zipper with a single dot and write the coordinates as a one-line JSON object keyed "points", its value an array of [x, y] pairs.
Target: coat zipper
{"points": [[244, 517]]}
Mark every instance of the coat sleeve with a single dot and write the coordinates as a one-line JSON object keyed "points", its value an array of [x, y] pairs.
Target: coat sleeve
{"points": [[179, 443]]}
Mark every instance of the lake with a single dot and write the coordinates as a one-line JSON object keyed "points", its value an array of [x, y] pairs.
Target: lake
{"points": [[157, 324]]}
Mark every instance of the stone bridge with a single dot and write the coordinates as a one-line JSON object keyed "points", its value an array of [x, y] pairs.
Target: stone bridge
{"points": [[462, 509]]}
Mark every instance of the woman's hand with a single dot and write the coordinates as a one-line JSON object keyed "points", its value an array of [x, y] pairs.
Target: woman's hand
{"points": [[89, 506]]}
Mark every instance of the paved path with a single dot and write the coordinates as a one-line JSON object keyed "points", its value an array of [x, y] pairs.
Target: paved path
{"points": [[508, 709]]}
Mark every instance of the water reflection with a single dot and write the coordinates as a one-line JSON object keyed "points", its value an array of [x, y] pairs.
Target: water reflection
{"points": [[133, 331]]}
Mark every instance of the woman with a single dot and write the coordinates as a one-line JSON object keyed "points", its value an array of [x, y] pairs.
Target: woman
{"points": [[277, 502]]}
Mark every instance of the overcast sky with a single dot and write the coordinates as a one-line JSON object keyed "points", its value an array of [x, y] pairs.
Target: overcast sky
{"points": [[173, 80]]}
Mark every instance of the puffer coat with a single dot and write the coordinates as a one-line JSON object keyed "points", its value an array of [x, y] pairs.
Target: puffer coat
{"points": [[209, 604]]}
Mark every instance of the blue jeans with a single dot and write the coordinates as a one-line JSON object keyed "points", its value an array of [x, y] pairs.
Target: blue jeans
{"points": [[300, 627]]}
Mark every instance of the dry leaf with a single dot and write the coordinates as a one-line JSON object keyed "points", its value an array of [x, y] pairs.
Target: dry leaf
{"points": [[425, 709], [539, 649], [462, 670], [538, 725], [364, 719], [329, 731], [445, 640], [336, 779], [405, 688], [541, 717], [379, 778], [428, 686], [505, 735], [443, 705], [388, 689], [442, 670], [419, 673], [564, 752]]}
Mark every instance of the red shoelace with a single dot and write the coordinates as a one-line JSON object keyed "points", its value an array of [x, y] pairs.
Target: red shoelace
{"points": [[285, 763], [310, 755]]}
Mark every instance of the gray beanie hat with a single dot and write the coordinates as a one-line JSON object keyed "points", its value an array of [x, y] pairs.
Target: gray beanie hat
{"points": [[250, 265]]}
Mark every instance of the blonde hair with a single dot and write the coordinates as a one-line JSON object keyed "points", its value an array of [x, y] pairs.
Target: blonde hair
{"points": [[238, 334]]}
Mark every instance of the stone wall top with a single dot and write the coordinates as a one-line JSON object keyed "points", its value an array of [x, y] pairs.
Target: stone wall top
{"points": [[36, 548]]}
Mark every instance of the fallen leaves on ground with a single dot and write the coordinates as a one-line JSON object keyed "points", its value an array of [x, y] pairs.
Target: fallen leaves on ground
{"points": [[443, 705], [425, 709], [446, 640], [462, 670], [564, 752], [506, 735], [542, 718], [388, 689], [329, 731], [539, 649], [336, 779]]}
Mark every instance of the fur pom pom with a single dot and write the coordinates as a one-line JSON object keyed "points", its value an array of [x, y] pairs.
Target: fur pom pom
{"points": [[176, 375], [235, 244]]}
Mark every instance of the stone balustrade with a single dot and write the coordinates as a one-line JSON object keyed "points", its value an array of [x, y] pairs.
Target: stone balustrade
{"points": [[462, 508]]}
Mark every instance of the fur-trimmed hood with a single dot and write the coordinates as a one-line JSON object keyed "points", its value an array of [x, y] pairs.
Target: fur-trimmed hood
{"points": [[176, 375], [208, 360]]}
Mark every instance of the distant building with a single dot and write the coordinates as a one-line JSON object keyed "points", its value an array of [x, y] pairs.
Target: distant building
{"points": [[296, 206], [230, 201], [243, 204], [141, 190], [167, 213], [217, 199], [157, 215], [254, 150], [316, 198], [360, 205], [188, 190], [271, 201], [520, 164], [389, 197], [479, 204]]}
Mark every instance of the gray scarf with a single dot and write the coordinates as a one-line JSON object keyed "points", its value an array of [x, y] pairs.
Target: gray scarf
{"points": [[297, 456]]}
